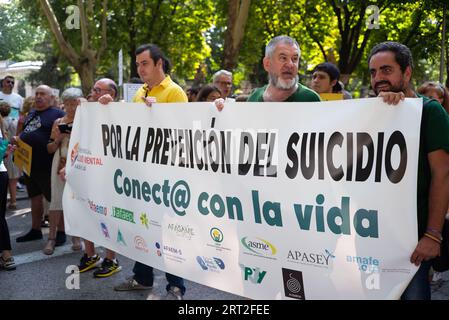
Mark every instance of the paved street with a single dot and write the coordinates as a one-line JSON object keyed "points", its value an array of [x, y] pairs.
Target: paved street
{"points": [[43, 277]]}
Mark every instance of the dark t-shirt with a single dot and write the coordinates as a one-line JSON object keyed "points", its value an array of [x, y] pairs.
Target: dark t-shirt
{"points": [[36, 133], [302, 94], [434, 136]]}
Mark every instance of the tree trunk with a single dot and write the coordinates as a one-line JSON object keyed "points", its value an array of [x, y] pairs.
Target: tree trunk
{"points": [[86, 73], [132, 40], [84, 62], [237, 17]]}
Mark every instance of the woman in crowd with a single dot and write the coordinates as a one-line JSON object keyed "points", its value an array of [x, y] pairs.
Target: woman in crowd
{"points": [[59, 144], [10, 125], [208, 93], [436, 91], [28, 105], [6, 259]]}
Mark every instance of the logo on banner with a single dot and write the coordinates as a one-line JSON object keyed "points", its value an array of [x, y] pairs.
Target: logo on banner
{"points": [[74, 153], [182, 231], [140, 244], [144, 219], [366, 264], [314, 259], [158, 249], [97, 208], [210, 264], [105, 230], [120, 238], [216, 235], [170, 253], [259, 247], [168, 249], [123, 214], [81, 158], [254, 275], [293, 284]]}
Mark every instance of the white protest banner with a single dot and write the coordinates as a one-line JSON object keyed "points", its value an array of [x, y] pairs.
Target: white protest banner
{"points": [[278, 201]]}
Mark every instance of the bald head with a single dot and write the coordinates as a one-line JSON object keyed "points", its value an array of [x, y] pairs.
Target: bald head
{"points": [[44, 97], [102, 87]]}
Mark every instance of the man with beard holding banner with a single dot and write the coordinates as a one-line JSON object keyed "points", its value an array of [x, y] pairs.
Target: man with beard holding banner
{"points": [[281, 61], [390, 66]]}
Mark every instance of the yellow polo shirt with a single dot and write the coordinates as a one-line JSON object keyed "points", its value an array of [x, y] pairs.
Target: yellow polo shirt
{"points": [[164, 92]]}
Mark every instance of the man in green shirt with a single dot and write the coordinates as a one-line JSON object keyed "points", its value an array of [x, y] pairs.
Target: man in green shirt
{"points": [[281, 62], [390, 66]]}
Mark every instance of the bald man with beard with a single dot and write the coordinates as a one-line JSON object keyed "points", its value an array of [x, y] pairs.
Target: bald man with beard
{"points": [[36, 133]]}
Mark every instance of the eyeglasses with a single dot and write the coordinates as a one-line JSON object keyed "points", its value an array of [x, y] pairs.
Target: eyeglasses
{"points": [[9, 82], [98, 90]]}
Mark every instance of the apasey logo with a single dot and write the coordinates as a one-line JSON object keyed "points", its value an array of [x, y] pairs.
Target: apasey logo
{"points": [[74, 153]]}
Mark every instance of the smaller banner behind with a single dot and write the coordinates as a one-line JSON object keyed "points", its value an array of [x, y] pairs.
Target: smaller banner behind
{"points": [[23, 156]]}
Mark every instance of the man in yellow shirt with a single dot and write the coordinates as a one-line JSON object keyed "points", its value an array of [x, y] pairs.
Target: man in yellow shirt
{"points": [[153, 68]]}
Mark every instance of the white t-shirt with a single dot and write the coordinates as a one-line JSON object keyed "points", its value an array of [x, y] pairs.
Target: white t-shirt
{"points": [[16, 102]]}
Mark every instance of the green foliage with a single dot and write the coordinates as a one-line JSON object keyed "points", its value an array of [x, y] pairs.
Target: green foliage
{"points": [[54, 73], [191, 33], [17, 34]]}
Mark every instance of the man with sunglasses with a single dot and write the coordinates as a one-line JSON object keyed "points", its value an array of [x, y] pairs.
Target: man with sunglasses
{"points": [[14, 100]]}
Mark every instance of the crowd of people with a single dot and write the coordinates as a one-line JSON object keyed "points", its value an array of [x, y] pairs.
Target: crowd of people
{"points": [[43, 124]]}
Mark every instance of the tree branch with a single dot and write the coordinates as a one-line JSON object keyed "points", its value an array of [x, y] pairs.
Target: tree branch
{"points": [[66, 48], [338, 14], [155, 15], [238, 32], [104, 36], [84, 27]]}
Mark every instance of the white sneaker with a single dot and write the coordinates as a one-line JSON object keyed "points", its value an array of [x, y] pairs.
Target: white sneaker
{"points": [[173, 294]]}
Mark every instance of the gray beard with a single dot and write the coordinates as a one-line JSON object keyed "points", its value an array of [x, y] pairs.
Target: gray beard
{"points": [[278, 83]]}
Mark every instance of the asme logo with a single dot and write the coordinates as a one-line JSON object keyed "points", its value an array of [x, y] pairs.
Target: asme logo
{"points": [[259, 247]]}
